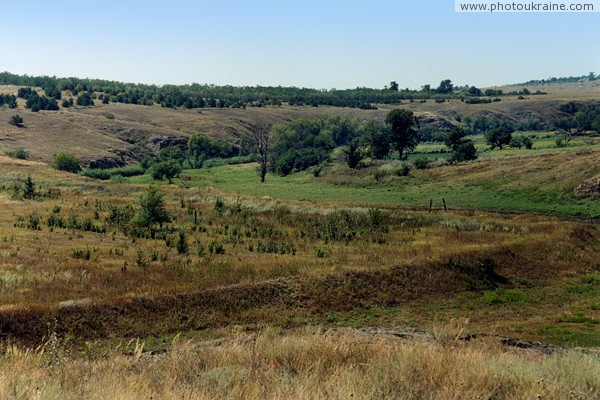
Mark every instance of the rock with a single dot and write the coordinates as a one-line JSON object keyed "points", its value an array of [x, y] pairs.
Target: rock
{"points": [[589, 187]]}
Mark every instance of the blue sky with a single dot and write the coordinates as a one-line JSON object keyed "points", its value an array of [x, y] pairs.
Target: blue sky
{"points": [[322, 44]]}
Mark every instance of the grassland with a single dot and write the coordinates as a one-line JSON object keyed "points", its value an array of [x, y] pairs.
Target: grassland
{"points": [[313, 364], [494, 182], [340, 285], [126, 133]]}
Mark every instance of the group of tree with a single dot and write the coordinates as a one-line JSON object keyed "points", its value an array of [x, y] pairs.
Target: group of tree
{"points": [[461, 147], [35, 102], [580, 118], [173, 159], [213, 96], [8, 100], [304, 143], [201, 148]]}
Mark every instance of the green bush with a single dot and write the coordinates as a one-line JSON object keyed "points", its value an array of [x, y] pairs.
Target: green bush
{"points": [[109, 173], [19, 153], [404, 170], [66, 162], [421, 163]]}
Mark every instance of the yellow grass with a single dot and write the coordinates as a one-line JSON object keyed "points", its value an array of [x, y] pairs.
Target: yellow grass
{"points": [[311, 365]]}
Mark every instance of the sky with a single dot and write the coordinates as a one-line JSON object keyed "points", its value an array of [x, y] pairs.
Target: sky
{"points": [[322, 44]]}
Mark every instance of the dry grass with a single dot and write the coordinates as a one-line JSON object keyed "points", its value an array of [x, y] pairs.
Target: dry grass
{"points": [[142, 287], [310, 365], [135, 130]]}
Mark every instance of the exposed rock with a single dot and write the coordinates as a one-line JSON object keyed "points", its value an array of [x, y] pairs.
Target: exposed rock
{"points": [[589, 187], [169, 141], [429, 119], [107, 162]]}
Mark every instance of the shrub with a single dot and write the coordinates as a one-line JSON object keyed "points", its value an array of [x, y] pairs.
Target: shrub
{"points": [[19, 153], [16, 120], [404, 170], [464, 152], [109, 173], [66, 162], [421, 163], [181, 245], [152, 208], [166, 169]]}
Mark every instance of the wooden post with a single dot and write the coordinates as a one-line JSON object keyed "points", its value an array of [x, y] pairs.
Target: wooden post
{"points": [[444, 201], [195, 217], [430, 204]]}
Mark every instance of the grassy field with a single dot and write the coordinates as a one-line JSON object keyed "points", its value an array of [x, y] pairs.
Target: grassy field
{"points": [[541, 180], [332, 260], [337, 284], [313, 364]]}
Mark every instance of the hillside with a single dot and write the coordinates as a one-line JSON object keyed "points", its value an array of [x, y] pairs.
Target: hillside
{"points": [[124, 133], [332, 282]]}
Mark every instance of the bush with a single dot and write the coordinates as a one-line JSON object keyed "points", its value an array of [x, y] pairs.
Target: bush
{"points": [[421, 163], [109, 173], [404, 170], [166, 169], [464, 151], [16, 120], [19, 153], [66, 162]]}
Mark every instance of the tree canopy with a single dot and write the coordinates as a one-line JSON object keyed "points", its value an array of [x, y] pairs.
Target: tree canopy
{"points": [[403, 134]]}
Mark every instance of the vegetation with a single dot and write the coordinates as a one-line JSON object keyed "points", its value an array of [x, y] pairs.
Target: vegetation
{"points": [[152, 209], [216, 286], [36, 102], [403, 134], [16, 120], [108, 173], [66, 162], [462, 149], [166, 169], [19, 153], [8, 101], [498, 137], [212, 96]]}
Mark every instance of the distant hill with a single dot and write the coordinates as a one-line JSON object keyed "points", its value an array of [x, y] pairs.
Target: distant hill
{"points": [[117, 133]]}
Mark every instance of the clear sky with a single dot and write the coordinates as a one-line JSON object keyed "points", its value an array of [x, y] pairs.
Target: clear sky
{"points": [[306, 43]]}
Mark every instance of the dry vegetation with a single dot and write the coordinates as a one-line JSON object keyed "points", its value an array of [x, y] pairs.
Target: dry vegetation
{"points": [[315, 364], [90, 307]]}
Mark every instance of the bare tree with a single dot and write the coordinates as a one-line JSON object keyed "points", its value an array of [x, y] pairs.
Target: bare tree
{"points": [[260, 142]]}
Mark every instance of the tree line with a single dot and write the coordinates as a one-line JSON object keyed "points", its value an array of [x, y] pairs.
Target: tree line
{"points": [[213, 96]]}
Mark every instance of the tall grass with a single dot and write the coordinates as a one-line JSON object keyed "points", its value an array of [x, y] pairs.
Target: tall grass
{"points": [[105, 174], [310, 365]]}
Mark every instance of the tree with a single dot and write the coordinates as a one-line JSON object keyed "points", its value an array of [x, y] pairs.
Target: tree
{"points": [[29, 188], [152, 209], [465, 151], [16, 120], [445, 87], [66, 162], [403, 135], [85, 99], [353, 154], [393, 86], [498, 137], [520, 142], [378, 139], [474, 91], [166, 169], [260, 142], [198, 148], [462, 149]]}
